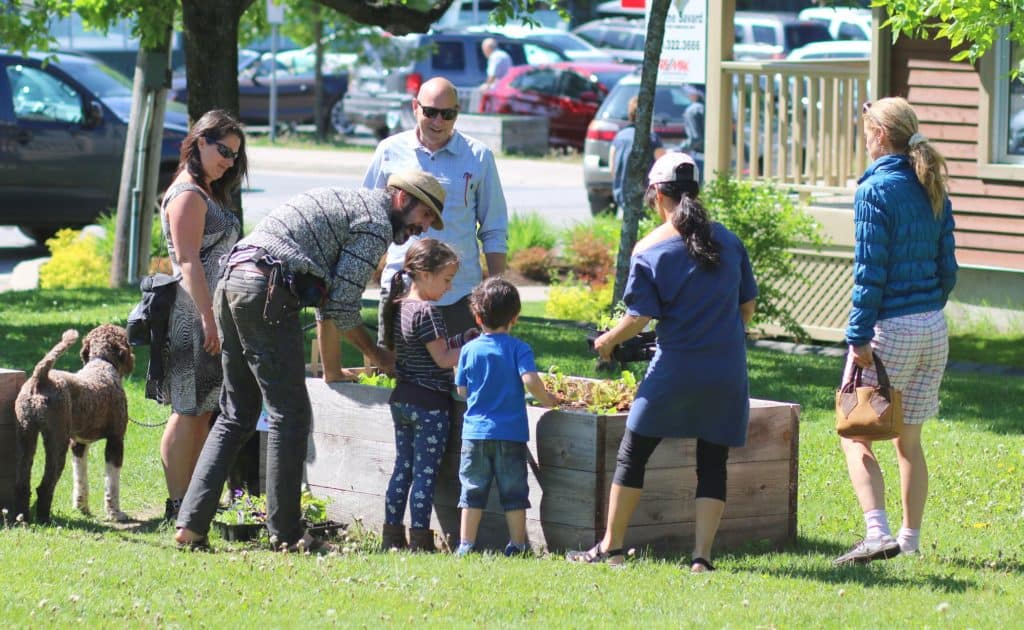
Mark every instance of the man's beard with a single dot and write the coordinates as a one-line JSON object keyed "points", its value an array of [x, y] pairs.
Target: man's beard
{"points": [[400, 227]]}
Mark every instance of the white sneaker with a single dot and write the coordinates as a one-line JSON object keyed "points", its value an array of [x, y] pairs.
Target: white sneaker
{"points": [[881, 548]]}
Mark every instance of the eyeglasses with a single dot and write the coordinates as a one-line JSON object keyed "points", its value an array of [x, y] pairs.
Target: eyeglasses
{"points": [[224, 150], [866, 108], [431, 112]]}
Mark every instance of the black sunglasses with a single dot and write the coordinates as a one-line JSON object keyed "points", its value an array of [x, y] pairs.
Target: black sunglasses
{"points": [[447, 114], [224, 150]]}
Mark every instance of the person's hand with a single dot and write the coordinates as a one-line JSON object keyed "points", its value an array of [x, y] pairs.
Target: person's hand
{"points": [[863, 356], [211, 342], [384, 360], [470, 335], [604, 347], [344, 375]]}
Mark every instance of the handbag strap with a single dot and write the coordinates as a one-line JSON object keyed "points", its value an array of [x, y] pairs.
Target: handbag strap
{"points": [[857, 373]]}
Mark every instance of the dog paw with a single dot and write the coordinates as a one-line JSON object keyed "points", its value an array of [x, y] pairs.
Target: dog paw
{"points": [[118, 517]]}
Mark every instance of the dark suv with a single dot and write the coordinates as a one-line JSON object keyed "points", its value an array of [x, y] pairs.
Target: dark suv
{"points": [[62, 136], [381, 98]]}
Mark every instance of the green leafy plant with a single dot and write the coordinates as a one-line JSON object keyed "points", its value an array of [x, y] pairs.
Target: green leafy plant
{"points": [[244, 509], [376, 380], [314, 509], [578, 302], [770, 225], [600, 397], [526, 231], [76, 262]]}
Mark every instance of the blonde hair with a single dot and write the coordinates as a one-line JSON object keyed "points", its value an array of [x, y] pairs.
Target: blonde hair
{"points": [[897, 118]]}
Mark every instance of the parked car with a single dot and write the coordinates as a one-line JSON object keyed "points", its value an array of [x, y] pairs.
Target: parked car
{"points": [[621, 38], [847, 49], [62, 137], [295, 93], [843, 23], [380, 97], [773, 35], [567, 93], [670, 100], [478, 12], [573, 46]]}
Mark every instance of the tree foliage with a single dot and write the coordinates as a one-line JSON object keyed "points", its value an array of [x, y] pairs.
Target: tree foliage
{"points": [[972, 24]]}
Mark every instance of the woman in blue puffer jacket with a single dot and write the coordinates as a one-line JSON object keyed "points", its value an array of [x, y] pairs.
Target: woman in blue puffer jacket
{"points": [[904, 270]]}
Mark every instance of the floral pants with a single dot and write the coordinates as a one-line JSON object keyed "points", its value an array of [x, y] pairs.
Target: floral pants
{"points": [[421, 436]]}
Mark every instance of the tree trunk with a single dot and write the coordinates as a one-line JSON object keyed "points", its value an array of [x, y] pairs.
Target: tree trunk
{"points": [[211, 58], [320, 116], [640, 156], [137, 192]]}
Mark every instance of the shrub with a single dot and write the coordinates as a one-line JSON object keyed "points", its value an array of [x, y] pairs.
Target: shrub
{"points": [[76, 262], [534, 263], [605, 229], [589, 248], [527, 231], [769, 225], [579, 302]]}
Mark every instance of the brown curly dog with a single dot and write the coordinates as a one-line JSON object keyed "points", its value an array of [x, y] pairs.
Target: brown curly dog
{"points": [[74, 409]]}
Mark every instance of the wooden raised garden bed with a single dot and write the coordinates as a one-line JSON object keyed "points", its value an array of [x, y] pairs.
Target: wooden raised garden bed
{"points": [[351, 453]]}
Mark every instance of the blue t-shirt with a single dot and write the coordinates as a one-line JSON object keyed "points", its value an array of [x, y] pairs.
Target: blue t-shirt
{"points": [[491, 368]]}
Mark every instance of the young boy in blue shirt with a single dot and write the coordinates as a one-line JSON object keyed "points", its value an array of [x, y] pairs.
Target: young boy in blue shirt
{"points": [[495, 429]]}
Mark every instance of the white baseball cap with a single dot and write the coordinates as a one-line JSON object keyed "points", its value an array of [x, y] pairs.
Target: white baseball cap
{"points": [[667, 169]]}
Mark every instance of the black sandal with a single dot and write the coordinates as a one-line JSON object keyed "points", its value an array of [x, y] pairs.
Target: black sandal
{"points": [[199, 544], [700, 562], [594, 555]]}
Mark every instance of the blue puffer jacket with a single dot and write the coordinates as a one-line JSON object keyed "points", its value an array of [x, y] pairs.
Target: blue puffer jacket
{"points": [[904, 260]]}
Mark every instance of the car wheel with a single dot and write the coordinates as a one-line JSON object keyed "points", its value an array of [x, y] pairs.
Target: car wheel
{"points": [[601, 205], [337, 120], [39, 234]]}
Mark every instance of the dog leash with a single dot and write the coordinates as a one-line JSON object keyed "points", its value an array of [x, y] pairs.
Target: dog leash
{"points": [[148, 426]]}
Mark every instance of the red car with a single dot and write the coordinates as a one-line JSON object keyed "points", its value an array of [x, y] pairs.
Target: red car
{"points": [[568, 93]]}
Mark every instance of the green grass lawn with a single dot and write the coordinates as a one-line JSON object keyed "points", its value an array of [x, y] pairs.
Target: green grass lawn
{"points": [[970, 574]]}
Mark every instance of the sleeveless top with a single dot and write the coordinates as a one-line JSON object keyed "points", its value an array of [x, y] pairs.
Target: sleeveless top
{"points": [[192, 377]]}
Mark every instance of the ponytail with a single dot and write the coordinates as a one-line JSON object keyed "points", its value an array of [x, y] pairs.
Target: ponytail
{"points": [[395, 292], [931, 170], [691, 220]]}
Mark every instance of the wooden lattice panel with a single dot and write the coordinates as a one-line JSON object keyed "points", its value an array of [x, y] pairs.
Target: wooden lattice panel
{"points": [[819, 296]]}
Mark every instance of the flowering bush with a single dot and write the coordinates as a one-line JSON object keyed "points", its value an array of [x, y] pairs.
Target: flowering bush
{"points": [[244, 509], [76, 262]]}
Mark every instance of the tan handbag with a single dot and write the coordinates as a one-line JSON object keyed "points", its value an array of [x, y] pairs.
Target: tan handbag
{"points": [[869, 413]]}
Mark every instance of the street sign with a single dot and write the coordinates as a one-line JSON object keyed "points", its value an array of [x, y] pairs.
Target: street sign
{"points": [[275, 12], [684, 49]]}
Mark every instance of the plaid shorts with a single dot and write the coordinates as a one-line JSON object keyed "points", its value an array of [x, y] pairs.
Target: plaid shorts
{"points": [[914, 349]]}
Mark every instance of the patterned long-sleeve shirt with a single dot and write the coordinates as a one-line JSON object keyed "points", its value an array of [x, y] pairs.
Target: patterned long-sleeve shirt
{"points": [[335, 234]]}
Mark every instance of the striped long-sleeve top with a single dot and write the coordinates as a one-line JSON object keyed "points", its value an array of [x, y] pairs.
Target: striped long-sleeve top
{"points": [[335, 234]]}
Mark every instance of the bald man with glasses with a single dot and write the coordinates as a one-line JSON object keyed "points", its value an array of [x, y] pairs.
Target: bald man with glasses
{"points": [[475, 212]]}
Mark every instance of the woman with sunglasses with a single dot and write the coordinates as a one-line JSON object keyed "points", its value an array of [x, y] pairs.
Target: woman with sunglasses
{"points": [[904, 270], [200, 227]]}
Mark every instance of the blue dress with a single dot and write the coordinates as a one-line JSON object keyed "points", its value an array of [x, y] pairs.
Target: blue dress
{"points": [[696, 385]]}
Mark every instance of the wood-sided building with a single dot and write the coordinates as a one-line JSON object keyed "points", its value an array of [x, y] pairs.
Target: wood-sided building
{"points": [[974, 114]]}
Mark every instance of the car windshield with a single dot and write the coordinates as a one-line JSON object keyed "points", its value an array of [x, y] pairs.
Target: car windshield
{"points": [[798, 35], [564, 41], [669, 102], [608, 78], [102, 80]]}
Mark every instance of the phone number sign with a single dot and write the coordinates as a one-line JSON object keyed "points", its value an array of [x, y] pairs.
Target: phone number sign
{"points": [[684, 49]]}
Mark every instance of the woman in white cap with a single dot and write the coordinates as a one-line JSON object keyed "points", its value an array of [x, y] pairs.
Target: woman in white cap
{"points": [[904, 270], [694, 277]]}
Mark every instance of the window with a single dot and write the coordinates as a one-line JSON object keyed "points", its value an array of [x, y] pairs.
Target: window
{"points": [[851, 30], [540, 81], [39, 96], [573, 85], [449, 56], [1001, 113], [764, 34]]}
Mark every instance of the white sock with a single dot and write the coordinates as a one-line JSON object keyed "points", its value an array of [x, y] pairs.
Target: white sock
{"points": [[909, 539], [877, 522]]}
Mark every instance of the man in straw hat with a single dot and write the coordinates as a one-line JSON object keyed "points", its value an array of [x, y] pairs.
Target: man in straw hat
{"points": [[318, 249], [476, 216]]}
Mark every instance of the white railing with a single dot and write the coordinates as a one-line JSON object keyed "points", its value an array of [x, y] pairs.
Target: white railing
{"points": [[800, 122]]}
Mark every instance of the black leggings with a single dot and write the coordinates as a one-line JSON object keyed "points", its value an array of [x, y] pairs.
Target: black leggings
{"points": [[636, 449]]}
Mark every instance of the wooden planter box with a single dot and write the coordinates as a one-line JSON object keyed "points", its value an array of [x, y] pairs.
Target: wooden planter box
{"points": [[10, 384], [351, 454], [504, 133]]}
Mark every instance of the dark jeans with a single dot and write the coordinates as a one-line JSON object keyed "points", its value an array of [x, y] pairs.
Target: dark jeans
{"points": [[261, 363]]}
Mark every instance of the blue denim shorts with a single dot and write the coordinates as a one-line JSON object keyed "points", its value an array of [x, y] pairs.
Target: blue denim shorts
{"points": [[499, 460]]}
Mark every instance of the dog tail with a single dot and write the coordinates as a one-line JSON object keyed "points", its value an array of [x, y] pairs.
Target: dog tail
{"points": [[42, 371]]}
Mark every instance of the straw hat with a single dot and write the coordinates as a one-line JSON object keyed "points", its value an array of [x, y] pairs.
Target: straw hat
{"points": [[424, 187]]}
